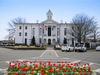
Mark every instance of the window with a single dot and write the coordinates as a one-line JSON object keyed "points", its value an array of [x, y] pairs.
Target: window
{"points": [[72, 27], [19, 33], [64, 31], [20, 27], [72, 34], [25, 27], [25, 33], [33, 31], [40, 41]]}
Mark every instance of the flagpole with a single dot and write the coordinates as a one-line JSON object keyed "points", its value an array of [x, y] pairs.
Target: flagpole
{"points": [[42, 34]]}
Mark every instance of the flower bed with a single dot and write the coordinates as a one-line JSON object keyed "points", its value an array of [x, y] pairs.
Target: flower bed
{"points": [[43, 68]]}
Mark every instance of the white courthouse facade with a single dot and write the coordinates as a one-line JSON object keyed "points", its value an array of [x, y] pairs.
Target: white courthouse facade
{"points": [[54, 32]]}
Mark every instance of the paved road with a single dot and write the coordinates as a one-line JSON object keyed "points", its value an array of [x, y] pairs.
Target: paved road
{"points": [[92, 57]]}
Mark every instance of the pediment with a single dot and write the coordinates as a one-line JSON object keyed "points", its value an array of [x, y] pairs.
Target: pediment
{"points": [[49, 21]]}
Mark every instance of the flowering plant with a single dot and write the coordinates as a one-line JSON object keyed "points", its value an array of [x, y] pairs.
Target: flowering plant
{"points": [[43, 68]]}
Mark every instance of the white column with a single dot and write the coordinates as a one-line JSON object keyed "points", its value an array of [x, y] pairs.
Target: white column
{"points": [[47, 31], [51, 30]]}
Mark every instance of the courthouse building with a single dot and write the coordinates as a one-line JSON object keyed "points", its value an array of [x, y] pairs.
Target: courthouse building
{"points": [[54, 32]]}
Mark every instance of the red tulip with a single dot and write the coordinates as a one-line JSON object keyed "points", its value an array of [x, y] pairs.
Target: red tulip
{"points": [[25, 70], [10, 63], [36, 65], [74, 70], [33, 64], [33, 69], [59, 68], [58, 61], [68, 64], [54, 64], [84, 65], [17, 61], [59, 64], [10, 68], [22, 69], [49, 70], [30, 62], [88, 64], [40, 62], [84, 73], [42, 69], [56, 71], [65, 70], [89, 68], [18, 67], [13, 61], [79, 63], [56, 67], [13, 65], [42, 73], [62, 61], [51, 65], [65, 61], [81, 68], [44, 65], [63, 64], [71, 64]]}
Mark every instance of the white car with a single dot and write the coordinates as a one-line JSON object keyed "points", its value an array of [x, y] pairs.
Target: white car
{"points": [[66, 47], [98, 48], [80, 48], [57, 46]]}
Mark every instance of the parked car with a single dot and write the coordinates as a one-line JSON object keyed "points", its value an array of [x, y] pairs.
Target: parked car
{"points": [[67, 47], [80, 48], [98, 48]]}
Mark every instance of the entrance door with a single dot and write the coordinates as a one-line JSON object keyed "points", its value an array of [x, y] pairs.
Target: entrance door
{"points": [[49, 31], [49, 41], [73, 41], [25, 41]]}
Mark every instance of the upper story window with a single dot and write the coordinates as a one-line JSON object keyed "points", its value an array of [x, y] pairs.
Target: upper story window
{"points": [[19, 33], [72, 27], [64, 31], [20, 27], [25, 33], [25, 27], [33, 31]]}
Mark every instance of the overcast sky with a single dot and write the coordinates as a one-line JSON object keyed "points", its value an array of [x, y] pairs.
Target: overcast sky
{"points": [[34, 10]]}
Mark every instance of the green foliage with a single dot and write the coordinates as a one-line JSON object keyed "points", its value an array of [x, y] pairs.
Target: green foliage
{"points": [[33, 41], [65, 41]]}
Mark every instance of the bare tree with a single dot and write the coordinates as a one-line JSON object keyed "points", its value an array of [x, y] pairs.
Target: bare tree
{"points": [[82, 26], [95, 35], [11, 28]]}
